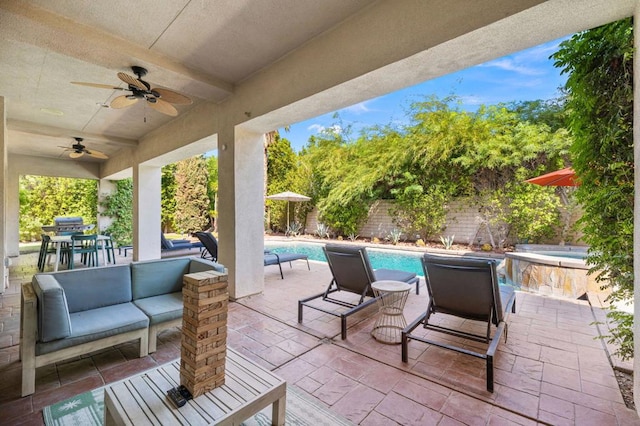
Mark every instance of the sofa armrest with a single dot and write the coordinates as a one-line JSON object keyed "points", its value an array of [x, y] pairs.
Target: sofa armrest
{"points": [[53, 311], [28, 317], [199, 265], [28, 337]]}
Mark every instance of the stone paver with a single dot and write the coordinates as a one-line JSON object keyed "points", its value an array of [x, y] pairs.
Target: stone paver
{"points": [[550, 370]]}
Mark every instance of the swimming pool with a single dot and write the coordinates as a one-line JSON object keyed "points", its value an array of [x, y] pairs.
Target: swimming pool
{"points": [[388, 259]]}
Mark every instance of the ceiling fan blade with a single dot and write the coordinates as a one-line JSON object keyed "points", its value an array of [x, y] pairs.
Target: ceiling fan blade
{"points": [[96, 154], [122, 102], [98, 85], [173, 97], [132, 81], [163, 107], [75, 154]]}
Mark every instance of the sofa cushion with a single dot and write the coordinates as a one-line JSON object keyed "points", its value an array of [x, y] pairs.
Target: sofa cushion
{"points": [[53, 313], [95, 287], [201, 265], [155, 277], [162, 308], [96, 324]]}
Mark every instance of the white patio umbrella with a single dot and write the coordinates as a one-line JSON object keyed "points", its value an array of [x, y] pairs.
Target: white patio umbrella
{"points": [[288, 196]]}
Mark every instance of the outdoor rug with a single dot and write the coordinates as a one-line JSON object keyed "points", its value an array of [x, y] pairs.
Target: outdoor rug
{"points": [[87, 409]]}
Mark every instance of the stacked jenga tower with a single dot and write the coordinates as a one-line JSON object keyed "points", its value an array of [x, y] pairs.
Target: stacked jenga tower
{"points": [[204, 331]]}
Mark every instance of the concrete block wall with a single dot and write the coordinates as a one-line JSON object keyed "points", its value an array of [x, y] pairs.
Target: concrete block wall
{"points": [[462, 221]]}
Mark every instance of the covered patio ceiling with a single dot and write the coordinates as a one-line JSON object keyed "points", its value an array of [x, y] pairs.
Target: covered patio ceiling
{"points": [[333, 53]]}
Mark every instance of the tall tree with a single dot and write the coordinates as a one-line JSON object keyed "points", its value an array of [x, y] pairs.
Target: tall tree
{"points": [[600, 87], [192, 200], [212, 191], [168, 197], [281, 166]]}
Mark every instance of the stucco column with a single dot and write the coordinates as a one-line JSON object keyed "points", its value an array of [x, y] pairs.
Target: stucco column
{"points": [[636, 212], [146, 212], [4, 264], [241, 210]]}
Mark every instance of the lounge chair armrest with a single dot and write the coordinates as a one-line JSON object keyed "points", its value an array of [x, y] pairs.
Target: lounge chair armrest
{"points": [[495, 341]]}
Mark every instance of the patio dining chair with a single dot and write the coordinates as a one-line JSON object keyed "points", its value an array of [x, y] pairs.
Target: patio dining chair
{"points": [[86, 246], [352, 273], [105, 243], [46, 249], [466, 288]]}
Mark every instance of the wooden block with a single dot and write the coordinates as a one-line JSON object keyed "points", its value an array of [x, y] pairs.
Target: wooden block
{"points": [[204, 331]]}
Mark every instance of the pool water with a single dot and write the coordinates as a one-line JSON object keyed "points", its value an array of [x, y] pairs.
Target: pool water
{"points": [[386, 259], [565, 254]]}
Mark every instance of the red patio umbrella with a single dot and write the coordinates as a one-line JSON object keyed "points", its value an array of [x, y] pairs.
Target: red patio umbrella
{"points": [[564, 177]]}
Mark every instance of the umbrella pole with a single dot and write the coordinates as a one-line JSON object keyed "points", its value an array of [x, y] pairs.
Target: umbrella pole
{"points": [[287, 231]]}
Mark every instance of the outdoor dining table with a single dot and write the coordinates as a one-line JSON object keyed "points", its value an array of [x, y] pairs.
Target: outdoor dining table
{"points": [[59, 239]]}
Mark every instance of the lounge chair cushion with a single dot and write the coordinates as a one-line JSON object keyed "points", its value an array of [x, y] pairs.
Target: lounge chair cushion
{"points": [[52, 305], [393, 275], [273, 259]]}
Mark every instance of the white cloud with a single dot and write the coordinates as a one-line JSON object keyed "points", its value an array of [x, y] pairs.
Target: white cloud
{"points": [[533, 61], [316, 128], [473, 100], [360, 108], [510, 64], [319, 128]]}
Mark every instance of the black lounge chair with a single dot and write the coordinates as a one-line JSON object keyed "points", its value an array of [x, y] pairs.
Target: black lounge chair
{"points": [[273, 258], [270, 258], [466, 288], [210, 244], [352, 273]]}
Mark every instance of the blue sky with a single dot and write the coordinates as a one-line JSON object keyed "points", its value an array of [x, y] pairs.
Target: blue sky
{"points": [[523, 76]]}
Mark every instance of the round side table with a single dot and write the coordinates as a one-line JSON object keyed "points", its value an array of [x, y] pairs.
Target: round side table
{"points": [[390, 323]]}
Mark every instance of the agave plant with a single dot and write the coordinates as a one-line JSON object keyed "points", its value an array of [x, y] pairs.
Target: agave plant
{"points": [[447, 241], [322, 230], [294, 229], [394, 235]]}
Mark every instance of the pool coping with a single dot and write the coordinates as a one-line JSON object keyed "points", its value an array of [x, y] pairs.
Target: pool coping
{"points": [[422, 250]]}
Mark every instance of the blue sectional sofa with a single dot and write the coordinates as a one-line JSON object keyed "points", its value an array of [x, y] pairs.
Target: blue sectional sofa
{"points": [[71, 313]]}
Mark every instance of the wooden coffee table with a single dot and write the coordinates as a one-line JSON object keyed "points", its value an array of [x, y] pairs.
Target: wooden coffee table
{"points": [[248, 388]]}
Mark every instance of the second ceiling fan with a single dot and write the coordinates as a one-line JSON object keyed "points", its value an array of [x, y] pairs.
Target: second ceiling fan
{"points": [[157, 98]]}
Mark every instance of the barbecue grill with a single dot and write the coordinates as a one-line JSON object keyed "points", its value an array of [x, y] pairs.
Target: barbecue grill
{"points": [[65, 225]]}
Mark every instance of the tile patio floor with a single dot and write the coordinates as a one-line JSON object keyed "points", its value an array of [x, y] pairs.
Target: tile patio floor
{"points": [[550, 371]]}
